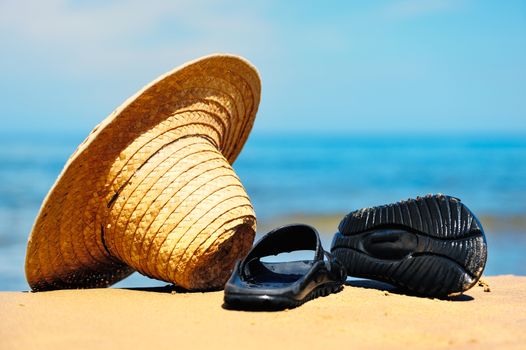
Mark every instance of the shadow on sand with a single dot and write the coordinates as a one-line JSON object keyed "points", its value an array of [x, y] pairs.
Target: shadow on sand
{"points": [[169, 288], [370, 284]]}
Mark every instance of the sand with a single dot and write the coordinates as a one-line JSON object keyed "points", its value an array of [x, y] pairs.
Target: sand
{"points": [[365, 314]]}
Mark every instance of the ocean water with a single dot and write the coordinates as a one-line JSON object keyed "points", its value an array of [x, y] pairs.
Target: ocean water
{"points": [[290, 176]]}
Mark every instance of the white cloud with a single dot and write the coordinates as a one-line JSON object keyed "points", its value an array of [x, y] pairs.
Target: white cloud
{"points": [[102, 36]]}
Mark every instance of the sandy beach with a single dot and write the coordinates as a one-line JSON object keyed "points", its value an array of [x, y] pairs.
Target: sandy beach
{"points": [[365, 314]]}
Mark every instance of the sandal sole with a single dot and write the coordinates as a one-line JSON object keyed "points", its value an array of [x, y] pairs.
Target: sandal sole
{"points": [[432, 245], [276, 302]]}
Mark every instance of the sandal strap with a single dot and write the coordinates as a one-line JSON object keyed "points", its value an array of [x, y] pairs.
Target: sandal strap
{"points": [[329, 260], [285, 239]]}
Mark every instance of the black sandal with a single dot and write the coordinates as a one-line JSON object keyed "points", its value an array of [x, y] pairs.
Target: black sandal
{"points": [[275, 286], [433, 245]]}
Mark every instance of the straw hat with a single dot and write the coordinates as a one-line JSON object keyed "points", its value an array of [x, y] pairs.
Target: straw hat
{"points": [[151, 188]]}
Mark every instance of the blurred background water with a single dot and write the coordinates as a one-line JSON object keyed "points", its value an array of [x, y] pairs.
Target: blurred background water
{"points": [[308, 178], [363, 103]]}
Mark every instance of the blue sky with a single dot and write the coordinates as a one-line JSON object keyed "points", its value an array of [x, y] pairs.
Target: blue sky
{"points": [[351, 66]]}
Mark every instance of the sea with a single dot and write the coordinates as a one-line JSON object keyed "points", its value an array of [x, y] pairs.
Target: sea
{"points": [[310, 177]]}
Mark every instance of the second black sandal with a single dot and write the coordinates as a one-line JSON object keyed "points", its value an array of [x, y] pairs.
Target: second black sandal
{"points": [[433, 245], [255, 284]]}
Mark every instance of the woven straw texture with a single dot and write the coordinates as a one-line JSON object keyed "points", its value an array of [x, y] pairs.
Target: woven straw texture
{"points": [[151, 189]]}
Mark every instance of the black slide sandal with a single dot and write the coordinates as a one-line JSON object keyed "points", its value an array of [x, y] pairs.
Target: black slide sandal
{"points": [[432, 245], [257, 285]]}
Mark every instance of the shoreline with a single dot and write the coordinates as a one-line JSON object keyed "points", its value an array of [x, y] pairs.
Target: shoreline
{"points": [[365, 314], [328, 223]]}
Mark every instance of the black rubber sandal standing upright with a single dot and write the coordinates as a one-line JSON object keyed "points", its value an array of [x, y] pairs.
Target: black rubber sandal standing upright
{"points": [[255, 284], [433, 245]]}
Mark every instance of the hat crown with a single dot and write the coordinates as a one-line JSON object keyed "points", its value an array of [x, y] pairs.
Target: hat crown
{"points": [[184, 202]]}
